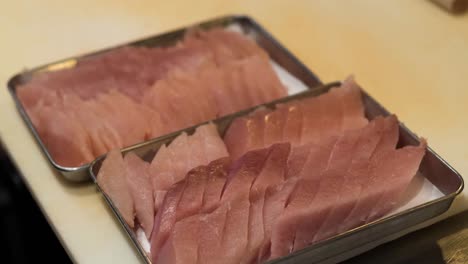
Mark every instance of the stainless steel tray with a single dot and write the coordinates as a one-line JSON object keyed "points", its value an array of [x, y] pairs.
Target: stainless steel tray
{"points": [[275, 50], [336, 248]]}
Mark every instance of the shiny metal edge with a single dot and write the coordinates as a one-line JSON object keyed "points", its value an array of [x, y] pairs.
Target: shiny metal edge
{"points": [[273, 47], [332, 249]]}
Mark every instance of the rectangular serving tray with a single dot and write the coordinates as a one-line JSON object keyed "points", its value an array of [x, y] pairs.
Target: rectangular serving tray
{"points": [[336, 248], [278, 53]]}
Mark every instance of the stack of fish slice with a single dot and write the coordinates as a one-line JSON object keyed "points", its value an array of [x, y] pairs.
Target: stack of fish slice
{"points": [[285, 179]]}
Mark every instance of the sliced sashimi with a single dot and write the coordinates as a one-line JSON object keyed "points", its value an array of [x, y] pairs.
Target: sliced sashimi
{"points": [[275, 122], [276, 198], [112, 179], [293, 125], [354, 179], [272, 174], [351, 101], [141, 189], [217, 176], [367, 196], [404, 163], [165, 218], [55, 130], [329, 189], [182, 245], [209, 243], [192, 198]]}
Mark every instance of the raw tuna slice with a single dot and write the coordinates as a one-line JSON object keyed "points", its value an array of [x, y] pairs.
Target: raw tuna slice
{"points": [[352, 105], [276, 199], [404, 163], [141, 189], [283, 229], [113, 181], [317, 159], [126, 116], [165, 218], [160, 169], [235, 236], [217, 175], [297, 159], [103, 136], [329, 188], [226, 45], [58, 130], [192, 199], [275, 122], [272, 174], [213, 144], [312, 113], [209, 242], [245, 133], [293, 127], [367, 198], [354, 179], [182, 245]]}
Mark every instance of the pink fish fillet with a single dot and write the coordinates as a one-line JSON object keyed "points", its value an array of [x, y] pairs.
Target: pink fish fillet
{"points": [[367, 195], [329, 189], [141, 189], [354, 178], [182, 245], [293, 125], [404, 163], [165, 218], [272, 174], [112, 179], [217, 176], [350, 94]]}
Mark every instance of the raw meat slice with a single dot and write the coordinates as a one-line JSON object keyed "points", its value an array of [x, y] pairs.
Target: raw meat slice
{"points": [[367, 197], [352, 105], [245, 133], [217, 175], [235, 236], [297, 159], [293, 124], [272, 174], [354, 179], [112, 180], [58, 130], [160, 169], [127, 117], [213, 144], [404, 163], [276, 199], [192, 198], [329, 189], [283, 229], [209, 243], [312, 112], [165, 218], [275, 122], [182, 245], [141, 190], [242, 174], [317, 159]]}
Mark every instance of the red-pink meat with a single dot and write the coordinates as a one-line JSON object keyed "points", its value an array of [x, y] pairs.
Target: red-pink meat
{"points": [[404, 163], [293, 124], [367, 196], [141, 189], [217, 176], [112, 179], [354, 179]]}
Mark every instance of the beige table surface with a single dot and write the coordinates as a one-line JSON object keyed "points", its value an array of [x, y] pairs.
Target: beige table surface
{"points": [[410, 55]]}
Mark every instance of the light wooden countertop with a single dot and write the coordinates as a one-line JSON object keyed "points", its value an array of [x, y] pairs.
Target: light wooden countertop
{"points": [[410, 55]]}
